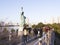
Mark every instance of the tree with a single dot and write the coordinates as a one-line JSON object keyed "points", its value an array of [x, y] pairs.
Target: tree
{"points": [[34, 26], [5, 30], [40, 25], [56, 27], [5, 34], [12, 30]]}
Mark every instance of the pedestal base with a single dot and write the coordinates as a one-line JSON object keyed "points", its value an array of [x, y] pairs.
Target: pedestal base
{"points": [[20, 31]]}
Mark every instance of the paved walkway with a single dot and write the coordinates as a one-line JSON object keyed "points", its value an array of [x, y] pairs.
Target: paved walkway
{"points": [[30, 42]]}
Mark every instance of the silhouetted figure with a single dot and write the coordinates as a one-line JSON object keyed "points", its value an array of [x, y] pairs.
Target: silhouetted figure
{"points": [[41, 32], [25, 36], [29, 30], [35, 31]]}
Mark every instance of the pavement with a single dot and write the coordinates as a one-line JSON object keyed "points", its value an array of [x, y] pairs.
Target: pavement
{"points": [[33, 42], [30, 41]]}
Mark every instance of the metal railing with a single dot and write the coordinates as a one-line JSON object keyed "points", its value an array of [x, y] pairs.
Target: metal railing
{"points": [[46, 39]]}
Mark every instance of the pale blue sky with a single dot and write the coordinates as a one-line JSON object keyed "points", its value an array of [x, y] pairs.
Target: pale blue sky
{"points": [[35, 10]]}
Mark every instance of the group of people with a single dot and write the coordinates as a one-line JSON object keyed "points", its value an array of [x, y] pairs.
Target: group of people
{"points": [[41, 31]]}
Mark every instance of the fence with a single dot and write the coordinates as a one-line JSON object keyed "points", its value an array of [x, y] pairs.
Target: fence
{"points": [[47, 39]]}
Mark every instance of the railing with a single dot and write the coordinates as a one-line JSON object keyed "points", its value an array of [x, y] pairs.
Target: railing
{"points": [[47, 39]]}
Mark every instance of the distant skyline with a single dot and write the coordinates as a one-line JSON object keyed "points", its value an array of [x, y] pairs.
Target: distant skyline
{"points": [[36, 10]]}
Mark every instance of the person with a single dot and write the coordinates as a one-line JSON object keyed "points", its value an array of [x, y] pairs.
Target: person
{"points": [[44, 31], [25, 32], [35, 31], [41, 32]]}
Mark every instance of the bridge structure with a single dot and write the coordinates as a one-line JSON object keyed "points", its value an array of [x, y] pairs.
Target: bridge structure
{"points": [[10, 26], [46, 39]]}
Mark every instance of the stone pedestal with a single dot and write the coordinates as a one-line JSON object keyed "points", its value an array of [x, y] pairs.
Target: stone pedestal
{"points": [[20, 31]]}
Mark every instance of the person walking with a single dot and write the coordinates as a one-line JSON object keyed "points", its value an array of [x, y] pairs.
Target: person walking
{"points": [[40, 32], [25, 34]]}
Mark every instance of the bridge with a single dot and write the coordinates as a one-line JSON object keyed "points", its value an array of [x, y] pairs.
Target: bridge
{"points": [[9, 25], [47, 39]]}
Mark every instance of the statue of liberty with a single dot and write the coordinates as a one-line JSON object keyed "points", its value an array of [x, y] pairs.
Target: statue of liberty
{"points": [[22, 22], [22, 18]]}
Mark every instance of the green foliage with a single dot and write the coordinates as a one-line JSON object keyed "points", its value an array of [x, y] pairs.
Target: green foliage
{"points": [[12, 30], [34, 26], [5, 30], [54, 25], [38, 25]]}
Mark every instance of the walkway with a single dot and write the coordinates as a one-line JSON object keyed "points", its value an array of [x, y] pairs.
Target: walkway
{"points": [[47, 39]]}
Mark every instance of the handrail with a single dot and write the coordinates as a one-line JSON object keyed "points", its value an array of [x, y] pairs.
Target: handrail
{"points": [[47, 39], [40, 39]]}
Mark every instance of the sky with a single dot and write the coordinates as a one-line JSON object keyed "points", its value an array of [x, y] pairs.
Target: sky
{"points": [[36, 11]]}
